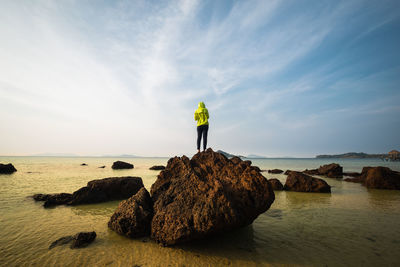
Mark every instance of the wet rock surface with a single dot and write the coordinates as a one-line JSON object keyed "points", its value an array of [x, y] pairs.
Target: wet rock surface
{"points": [[332, 170], [276, 184], [96, 191], [7, 168], [157, 167], [133, 216], [80, 240], [118, 165], [378, 178], [206, 195], [300, 182]]}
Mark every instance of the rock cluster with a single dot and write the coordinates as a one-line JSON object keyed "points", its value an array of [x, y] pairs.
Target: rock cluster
{"points": [[378, 178], [198, 197], [7, 168], [332, 170], [300, 182], [96, 191], [117, 165]]}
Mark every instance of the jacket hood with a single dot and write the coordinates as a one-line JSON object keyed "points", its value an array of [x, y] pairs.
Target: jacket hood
{"points": [[201, 105]]}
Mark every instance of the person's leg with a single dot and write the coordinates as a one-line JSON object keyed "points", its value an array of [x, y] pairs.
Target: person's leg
{"points": [[205, 133], [199, 132]]}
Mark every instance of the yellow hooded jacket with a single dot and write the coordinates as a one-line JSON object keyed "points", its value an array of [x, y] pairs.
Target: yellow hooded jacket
{"points": [[201, 115]]}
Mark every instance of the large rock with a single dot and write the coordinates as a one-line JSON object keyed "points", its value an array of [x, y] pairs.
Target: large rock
{"points": [[382, 178], [133, 216], [300, 182], [107, 189], [332, 170], [276, 184], [206, 195], [121, 165], [378, 178], [7, 168]]}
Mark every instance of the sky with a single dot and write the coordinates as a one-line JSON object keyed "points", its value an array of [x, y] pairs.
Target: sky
{"points": [[279, 78]]}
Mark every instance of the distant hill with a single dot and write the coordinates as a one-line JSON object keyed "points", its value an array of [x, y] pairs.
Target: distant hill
{"points": [[228, 155], [352, 155]]}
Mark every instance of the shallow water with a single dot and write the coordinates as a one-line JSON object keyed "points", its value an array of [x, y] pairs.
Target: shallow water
{"points": [[352, 226]]}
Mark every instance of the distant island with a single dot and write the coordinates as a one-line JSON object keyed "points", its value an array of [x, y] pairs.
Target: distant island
{"points": [[251, 156], [392, 155]]}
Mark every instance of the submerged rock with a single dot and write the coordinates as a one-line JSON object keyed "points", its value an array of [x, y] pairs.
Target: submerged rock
{"points": [[206, 195], [300, 182], [51, 200], [332, 170], [102, 167], [157, 167], [7, 168], [96, 191], [276, 184], [275, 171], [80, 240], [121, 165], [133, 216], [83, 164], [83, 239], [378, 178]]}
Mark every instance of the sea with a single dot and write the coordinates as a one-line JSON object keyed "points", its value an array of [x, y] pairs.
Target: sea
{"points": [[352, 226]]}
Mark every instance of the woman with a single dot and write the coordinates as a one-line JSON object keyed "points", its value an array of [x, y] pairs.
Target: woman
{"points": [[201, 116]]}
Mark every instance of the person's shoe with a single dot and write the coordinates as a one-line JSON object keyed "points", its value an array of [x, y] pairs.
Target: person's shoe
{"points": [[198, 150]]}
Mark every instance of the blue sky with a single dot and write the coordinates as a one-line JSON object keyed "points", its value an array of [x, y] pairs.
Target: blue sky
{"points": [[280, 78]]}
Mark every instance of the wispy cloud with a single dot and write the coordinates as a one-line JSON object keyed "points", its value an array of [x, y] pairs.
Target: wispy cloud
{"points": [[130, 73]]}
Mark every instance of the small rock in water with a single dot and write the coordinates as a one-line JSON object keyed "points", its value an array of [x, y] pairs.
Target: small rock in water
{"points": [[157, 167], [300, 182], [332, 170], [276, 184], [121, 165], [7, 168], [275, 171], [83, 239], [96, 191], [79, 240], [102, 167], [83, 164]]}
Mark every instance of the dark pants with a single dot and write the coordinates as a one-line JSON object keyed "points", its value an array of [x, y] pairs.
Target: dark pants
{"points": [[202, 130]]}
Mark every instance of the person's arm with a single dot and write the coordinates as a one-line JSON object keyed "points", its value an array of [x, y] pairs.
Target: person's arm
{"points": [[196, 116], [207, 114]]}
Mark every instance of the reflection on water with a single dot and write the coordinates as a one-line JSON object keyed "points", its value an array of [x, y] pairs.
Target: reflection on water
{"points": [[352, 226], [301, 200]]}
